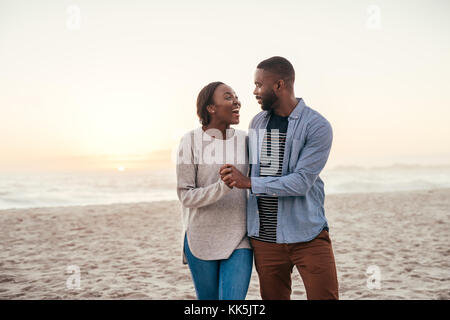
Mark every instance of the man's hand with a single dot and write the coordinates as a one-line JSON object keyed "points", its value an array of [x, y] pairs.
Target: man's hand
{"points": [[234, 178]]}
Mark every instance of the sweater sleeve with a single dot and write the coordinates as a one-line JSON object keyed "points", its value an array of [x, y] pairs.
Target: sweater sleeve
{"points": [[188, 193]]}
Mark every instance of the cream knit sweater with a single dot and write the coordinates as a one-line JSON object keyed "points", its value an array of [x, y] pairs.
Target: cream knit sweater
{"points": [[214, 216]]}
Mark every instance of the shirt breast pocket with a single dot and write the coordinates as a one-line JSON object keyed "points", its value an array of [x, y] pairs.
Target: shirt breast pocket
{"points": [[297, 146]]}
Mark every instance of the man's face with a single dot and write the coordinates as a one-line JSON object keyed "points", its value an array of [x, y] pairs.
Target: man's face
{"points": [[264, 93]]}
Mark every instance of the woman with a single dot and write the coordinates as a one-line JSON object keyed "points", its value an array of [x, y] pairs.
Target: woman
{"points": [[215, 243]]}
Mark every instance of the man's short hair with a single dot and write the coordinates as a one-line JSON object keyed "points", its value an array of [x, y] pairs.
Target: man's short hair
{"points": [[279, 66]]}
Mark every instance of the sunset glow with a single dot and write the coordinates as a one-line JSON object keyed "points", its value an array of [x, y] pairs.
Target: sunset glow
{"points": [[87, 82]]}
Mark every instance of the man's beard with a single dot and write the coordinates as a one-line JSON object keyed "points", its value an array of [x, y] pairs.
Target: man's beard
{"points": [[267, 103]]}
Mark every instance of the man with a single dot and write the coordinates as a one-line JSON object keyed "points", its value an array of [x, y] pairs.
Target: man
{"points": [[289, 144]]}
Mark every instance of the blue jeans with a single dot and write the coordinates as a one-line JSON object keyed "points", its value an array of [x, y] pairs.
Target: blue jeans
{"points": [[221, 279]]}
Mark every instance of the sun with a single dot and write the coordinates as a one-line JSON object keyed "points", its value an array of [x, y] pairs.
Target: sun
{"points": [[121, 168]]}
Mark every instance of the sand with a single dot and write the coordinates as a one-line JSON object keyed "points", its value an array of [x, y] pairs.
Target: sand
{"points": [[132, 251]]}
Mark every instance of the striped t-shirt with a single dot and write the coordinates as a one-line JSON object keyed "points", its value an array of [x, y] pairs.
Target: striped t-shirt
{"points": [[271, 164]]}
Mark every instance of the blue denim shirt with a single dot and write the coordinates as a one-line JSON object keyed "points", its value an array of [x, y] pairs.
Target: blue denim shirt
{"points": [[300, 191]]}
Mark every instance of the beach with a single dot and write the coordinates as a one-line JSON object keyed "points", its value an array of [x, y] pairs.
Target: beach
{"points": [[133, 250]]}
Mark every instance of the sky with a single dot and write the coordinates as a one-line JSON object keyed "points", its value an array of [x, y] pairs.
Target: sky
{"points": [[90, 85]]}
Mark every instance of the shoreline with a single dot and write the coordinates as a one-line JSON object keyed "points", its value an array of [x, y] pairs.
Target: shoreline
{"points": [[327, 196], [133, 250]]}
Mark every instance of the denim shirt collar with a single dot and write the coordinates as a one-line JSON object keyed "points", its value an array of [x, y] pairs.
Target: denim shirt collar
{"points": [[295, 114]]}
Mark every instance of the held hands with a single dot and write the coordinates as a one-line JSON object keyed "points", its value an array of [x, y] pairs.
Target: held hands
{"points": [[234, 178]]}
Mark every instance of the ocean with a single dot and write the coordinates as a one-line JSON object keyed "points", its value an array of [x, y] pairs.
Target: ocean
{"points": [[50, 189]]}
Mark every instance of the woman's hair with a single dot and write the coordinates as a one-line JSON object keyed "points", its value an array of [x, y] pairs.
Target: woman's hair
{"points": [[204, 99]]}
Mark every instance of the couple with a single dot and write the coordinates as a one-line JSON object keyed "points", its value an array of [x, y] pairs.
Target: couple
{"points": [[258, 194]]}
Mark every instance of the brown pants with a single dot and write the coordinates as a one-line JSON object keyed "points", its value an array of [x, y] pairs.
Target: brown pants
{"points": [[314, 260]]}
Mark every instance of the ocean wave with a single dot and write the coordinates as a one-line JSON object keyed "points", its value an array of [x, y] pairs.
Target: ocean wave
{"points": [[106, 188]]}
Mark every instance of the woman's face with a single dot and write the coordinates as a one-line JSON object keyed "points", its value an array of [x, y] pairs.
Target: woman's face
{"points": [[226, 105]]}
